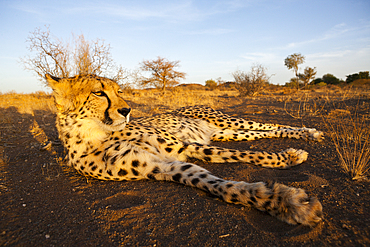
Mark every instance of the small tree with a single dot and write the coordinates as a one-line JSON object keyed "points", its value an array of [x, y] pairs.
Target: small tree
{"points": [[307, 76], [162, 73], [251, 83], [293, 61], [62, 59]]}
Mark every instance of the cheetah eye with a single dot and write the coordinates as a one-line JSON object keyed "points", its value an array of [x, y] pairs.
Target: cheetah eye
{"points": [[120, 91], [99, 93]]}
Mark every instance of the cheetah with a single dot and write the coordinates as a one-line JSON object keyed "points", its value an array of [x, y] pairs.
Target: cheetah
{"points": [[93, 122]]}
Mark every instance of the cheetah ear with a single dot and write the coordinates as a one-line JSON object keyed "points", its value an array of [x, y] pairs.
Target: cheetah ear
{"points": [[61, 89], [52, 80]]}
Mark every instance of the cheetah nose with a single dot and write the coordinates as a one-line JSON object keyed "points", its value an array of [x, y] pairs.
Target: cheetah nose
{"points": [[124, 111]]}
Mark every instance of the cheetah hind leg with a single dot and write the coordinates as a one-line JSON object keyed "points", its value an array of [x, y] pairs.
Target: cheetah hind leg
{"points": [[289, 204], [225, 122], [250, 135]]}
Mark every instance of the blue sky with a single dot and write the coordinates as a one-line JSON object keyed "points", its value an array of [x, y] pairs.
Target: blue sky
{"points": [[211, 38]]}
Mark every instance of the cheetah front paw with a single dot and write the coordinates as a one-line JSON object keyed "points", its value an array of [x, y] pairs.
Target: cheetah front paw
{"points": [[313, 134], [295, 156], [295, 207]]}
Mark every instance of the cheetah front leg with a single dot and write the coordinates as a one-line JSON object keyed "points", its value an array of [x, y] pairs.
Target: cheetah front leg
{"points": [[282, 160], [289, 204]]}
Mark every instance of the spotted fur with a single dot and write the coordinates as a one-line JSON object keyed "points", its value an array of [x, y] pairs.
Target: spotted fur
{"points": [[93, 124]]}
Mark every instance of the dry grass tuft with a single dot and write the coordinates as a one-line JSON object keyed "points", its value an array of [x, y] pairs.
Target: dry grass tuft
{"points": [[305, 105], [351, 138]]}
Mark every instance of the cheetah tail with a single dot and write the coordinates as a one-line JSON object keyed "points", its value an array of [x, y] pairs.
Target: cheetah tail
{"points": [[289, 204]]}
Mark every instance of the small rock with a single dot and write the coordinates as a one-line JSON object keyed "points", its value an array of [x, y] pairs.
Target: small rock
{"points": [[344, 226]]}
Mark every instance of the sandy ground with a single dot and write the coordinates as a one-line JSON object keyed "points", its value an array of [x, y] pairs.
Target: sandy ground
{"points": [[43, 203]]}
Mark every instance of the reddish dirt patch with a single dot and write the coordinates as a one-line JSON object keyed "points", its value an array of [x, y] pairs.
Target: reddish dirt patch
{"points": [[46, 204]]}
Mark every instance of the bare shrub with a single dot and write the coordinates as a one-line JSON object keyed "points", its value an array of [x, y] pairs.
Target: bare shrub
{"points": [[50, 55], [251, 83]]}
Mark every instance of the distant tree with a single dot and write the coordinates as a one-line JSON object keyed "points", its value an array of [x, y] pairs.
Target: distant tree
{"points": [[293, 61], [163, 73], [308, 75], [62, 59], [352, 78], [331, 79], [251, 83], [211, 83], [360, 75]]}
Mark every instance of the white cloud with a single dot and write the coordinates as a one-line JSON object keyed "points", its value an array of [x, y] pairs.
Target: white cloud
{"points": [[255, 56], [32, 9], [137, 10], [180, 11], [212, 31], [332, 54], [28, 9], [173, 10], [335, 32]]}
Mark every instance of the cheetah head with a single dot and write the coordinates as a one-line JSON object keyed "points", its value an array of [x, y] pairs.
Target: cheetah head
{"points": [[91, 98]]}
